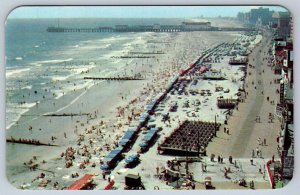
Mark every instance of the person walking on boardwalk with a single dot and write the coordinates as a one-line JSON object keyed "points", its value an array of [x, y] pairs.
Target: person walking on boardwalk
{"points": [[251, 161]]}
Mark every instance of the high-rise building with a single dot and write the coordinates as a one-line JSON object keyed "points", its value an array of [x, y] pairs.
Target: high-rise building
{"points": [[262, 14], [282, 24]]}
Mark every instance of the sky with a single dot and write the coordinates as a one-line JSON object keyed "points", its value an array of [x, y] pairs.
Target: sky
{"points": [[130, 11]]}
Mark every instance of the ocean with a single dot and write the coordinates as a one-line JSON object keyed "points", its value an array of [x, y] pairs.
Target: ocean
{"points": [[42, 66]]}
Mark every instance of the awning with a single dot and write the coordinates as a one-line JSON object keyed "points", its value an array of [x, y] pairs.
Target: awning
{"points": [[144, 117], [113, 154], [79, 184], [149, 135], [127, 137], [132, 158]]}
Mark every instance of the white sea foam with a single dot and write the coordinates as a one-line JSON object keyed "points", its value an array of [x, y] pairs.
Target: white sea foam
{"points": [[27, 87], [15, 72], [60, 78], [83, 69], [15, 111], [26, 105], [19, 58], [53, 61]]}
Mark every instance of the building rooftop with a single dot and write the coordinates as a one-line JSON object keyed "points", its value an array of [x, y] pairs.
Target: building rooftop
{"points": [[195, 23], [281, 15]]}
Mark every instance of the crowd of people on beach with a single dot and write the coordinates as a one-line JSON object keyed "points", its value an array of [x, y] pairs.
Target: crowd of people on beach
{"points": [[97, 138]]}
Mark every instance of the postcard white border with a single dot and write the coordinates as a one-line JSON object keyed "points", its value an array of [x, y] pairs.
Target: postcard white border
{"points": [[7, 5]]}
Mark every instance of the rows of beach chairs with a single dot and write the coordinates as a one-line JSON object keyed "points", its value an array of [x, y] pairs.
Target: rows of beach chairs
{"points": [[191, 135]]}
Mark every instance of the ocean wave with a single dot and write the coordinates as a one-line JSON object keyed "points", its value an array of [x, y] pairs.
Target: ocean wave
{"points": [[15, 111], [27, 87], [53, 61], [60, 78], [35, 64], [94, 46], [19, 58], [15, 72], [26, 105], [82, 69]]}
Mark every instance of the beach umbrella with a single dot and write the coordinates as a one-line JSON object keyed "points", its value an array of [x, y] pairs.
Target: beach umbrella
{"points": [[143, 145], [104, 167], [132, 158]]}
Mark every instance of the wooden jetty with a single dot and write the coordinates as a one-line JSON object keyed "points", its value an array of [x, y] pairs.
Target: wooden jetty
{"points": [[29, 142], [114, 78]]}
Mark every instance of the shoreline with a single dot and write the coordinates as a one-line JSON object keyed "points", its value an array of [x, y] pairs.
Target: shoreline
{"points": [[109, 112]]}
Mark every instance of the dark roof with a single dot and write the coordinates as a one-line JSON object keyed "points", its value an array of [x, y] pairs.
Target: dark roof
{"points": [[195, 23]]}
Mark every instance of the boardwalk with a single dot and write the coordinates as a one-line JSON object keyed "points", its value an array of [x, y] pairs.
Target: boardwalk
{"points": [[244, 131], [248, 126]]}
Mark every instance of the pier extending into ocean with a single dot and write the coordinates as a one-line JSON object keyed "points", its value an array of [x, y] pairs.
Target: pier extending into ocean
{"points": [[185, 27]]}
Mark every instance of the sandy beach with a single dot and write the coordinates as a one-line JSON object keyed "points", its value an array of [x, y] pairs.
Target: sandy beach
{"points": [[238, 143], [101, 125]]}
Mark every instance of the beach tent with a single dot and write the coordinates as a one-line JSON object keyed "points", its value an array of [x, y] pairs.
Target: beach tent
{"points": [[150, 106], [148, 137], [127, 137], [132, 158], [143, 117], [111, 158], [174, 80]]}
